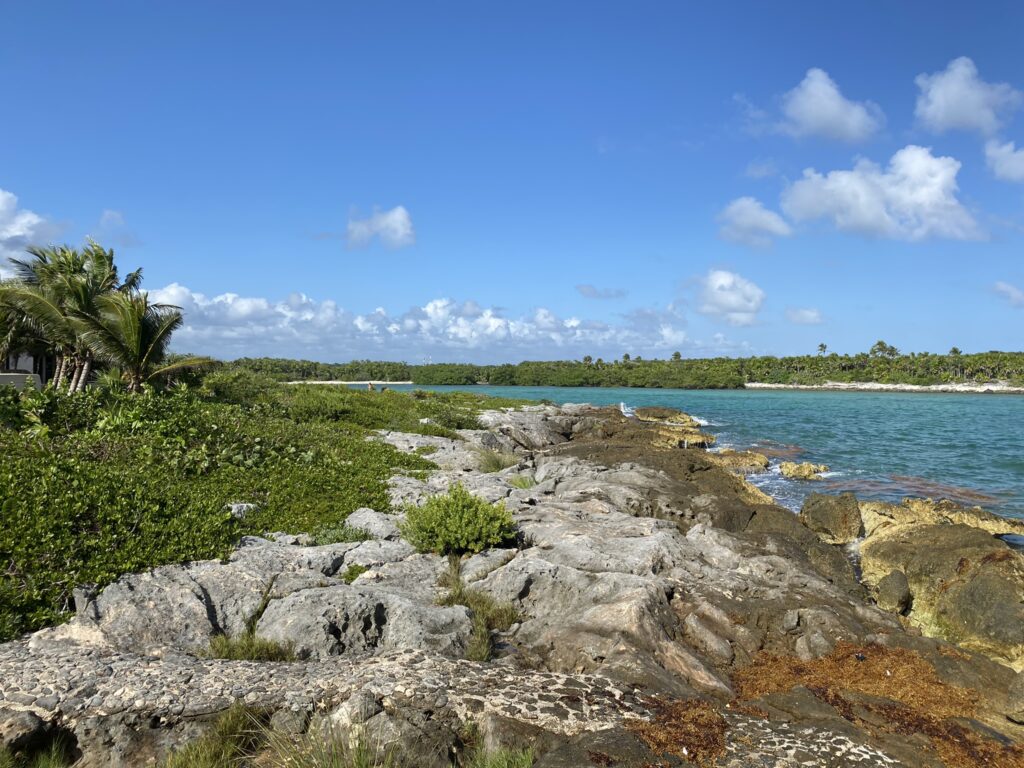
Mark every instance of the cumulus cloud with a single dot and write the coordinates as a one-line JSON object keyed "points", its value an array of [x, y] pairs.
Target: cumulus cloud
{"points": [[230, 325], [957, 99], [730, 297], [914, 198], [745, 220], [1005, 160], [804, 316], [1011, 293], [19, 228], [588, 291], [816, 107], [393, 228]]}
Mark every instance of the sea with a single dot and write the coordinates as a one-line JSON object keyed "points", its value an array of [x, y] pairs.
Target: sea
{"points": [[879, 445]]}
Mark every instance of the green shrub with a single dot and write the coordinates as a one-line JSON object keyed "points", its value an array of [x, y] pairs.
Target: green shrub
{"points": [[495, 461], [239, 386], [457, 522], [487, 614]]}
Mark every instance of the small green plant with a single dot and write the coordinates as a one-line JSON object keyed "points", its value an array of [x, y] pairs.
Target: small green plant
{"points": [[321, 751], [58, 755], [457, 522], [487, 613], [495, 461], [522, 481], [425, 450], [249, 647], [237, 734], [353, 572], [339, 534], [501, 758]]}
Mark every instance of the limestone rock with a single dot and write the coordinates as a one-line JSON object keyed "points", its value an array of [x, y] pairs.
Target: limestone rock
{"points": [[804, 470], [836, 519], [894, 592], [740, 462], [1015, 699], [376, 524]]}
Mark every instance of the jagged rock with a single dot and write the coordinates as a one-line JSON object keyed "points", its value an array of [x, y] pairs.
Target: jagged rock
{"points": [[1015, 699], [968, 586], [645, 574], [21, 730], [894, 592], [804, 470], [376, 524], [836, 519], [740, 462], [879, 515]]}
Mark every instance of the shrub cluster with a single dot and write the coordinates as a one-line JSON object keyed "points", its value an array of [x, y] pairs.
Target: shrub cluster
{"points": [[457, 522], [94, 484]]}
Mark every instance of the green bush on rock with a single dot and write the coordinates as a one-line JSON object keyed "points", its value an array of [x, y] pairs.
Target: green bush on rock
{"points": [[457, 522]]}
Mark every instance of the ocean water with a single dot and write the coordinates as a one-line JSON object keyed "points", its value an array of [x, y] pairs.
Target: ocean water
{"points": [[969, 448]]}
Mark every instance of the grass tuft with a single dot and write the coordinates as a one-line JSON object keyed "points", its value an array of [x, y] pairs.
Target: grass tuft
{"points": [[495, 461], [501, 758], [522, 482], [249, 647], [488, 614], [339, 534], [237, 734], [353, 572]]}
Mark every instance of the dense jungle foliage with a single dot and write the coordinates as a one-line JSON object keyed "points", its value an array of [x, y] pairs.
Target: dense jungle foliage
{"points": [[883, 363], [103, 482]]}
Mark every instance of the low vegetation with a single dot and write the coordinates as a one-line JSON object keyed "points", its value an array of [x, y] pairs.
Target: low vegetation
{"points": [[523, 482], [353, 572], [488, 614], [57, 755], [457, 522], [241, 738], [249, 647], [99, 483], [495, 461]]}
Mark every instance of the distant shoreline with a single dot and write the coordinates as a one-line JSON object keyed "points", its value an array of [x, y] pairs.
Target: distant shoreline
{"points": [[364, 383], [992, 388]]}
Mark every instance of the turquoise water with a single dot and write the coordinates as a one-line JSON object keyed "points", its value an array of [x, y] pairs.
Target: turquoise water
{"points": [[879, 445]]}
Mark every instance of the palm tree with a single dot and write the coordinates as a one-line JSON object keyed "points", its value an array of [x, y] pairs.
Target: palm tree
{"points": [[130, 333]]}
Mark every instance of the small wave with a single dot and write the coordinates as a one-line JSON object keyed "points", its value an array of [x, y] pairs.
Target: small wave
{"points": [[627, 410]]}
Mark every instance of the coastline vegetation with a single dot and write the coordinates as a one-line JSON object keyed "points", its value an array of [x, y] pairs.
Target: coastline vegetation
{"points": [[882, 364]]}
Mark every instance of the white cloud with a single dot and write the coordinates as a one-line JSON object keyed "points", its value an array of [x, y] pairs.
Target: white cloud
{"points": [[957, 99], [730, 297], [745, 220], [913, 199], [804, 316], [1011, 293], [393, 228], [1005, 160], [18, 228], [816, 107], [229, 325], [588, 291]]}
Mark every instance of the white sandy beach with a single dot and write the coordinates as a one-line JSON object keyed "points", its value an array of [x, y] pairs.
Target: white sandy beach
{"points": [[992, 387]]}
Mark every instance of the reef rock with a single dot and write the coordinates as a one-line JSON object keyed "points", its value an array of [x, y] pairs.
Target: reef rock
{"points": [[836, 519], [740, 462], [804, 470]]}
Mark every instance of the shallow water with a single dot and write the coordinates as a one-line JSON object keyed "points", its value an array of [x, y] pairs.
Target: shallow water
{"points": [[969, 448]]}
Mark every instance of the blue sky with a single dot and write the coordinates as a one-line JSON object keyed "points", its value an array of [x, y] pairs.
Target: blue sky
{"points": [[504, 181]]}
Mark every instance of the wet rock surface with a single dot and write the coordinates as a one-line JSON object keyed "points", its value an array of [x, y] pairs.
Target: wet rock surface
{"points": [[648, 579]]}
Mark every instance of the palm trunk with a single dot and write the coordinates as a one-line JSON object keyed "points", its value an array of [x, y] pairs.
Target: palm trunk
{"points": [[76, 374], [84, 378], [58, 375]]}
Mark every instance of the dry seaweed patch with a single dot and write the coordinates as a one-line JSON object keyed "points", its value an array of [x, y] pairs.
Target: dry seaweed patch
{"points": [[919, 702], [691, 729]]}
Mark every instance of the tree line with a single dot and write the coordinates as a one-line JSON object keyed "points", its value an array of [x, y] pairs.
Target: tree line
{"points": [[883, 363]]}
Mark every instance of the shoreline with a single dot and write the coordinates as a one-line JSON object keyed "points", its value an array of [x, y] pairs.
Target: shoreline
{"points": [[350, 383], [993, 388]]}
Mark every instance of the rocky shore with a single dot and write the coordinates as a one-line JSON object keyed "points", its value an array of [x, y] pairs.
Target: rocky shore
{"points": [[668, 614]]}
